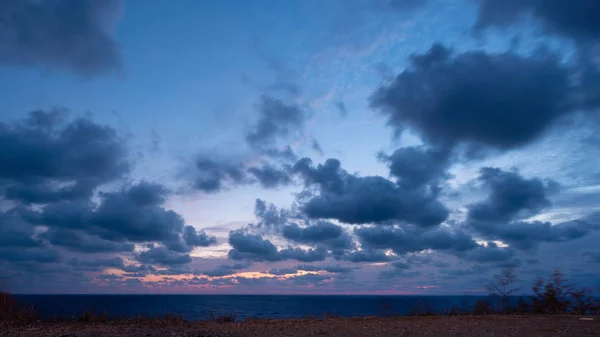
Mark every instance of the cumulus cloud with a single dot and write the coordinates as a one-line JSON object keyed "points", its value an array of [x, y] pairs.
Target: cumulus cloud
{"points": [[212, 175], [47, 157], [277, 120], [411, 239], [253, 247], [131, 214], [512, 199], [269, 176], [367, 255], [477, 99], [63, 34], [336, 268], [570, 19], [417, 166], [79, 241], [163, 256], [359, 200], [511, 196]]}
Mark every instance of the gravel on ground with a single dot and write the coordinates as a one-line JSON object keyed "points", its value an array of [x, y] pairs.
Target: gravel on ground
{"points": [[530, 326]]}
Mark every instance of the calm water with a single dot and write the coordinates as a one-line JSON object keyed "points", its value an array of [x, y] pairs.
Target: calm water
{"points": [[195, 307]]}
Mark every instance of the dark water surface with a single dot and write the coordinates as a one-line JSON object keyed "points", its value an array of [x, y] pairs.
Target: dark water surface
{"points": [[194, 307]]}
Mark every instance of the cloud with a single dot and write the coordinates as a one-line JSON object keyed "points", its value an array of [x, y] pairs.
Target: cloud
{"points": [[359, 200], [337, 269], [283, 271], [491, 253], [411, 239], [269, 216], [33, 254], [317, 233], [511, 196], [368, 255], [512, 199], [163, 256], [528, 235], [277, 120], [131, 214], [225, 270], [254, 247], [48, 158], [78, 241], [481, 100], [570, 19], [16, 232], [213, 175], [417, 166], [60, 34], [97, 264], [270, 177]]}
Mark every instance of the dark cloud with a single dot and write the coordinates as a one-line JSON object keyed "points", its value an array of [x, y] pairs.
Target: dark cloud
{"points": [[298, 254], [411, 239], [359, 200], [48, 158], [163, 256], [193, 238], [131, 214], [317, 233], [269, 216], [97, 264], [401, 265], [323, 234], [499, 101], [368, 255], [592, 256], [572, 19], [62, 34], [277, 120], [527, 235], [33, 254], [16, 232], [212, 175], [309, 280], [397, 273], [511, 196], [283, 271], [78, 241], [225, 270], [491, 253], [251, 247], [254, 247], [338, 269], [270, 177], [417, 166], [456, 273]]}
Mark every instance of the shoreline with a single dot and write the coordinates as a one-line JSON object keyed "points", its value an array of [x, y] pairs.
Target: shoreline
{"points": [[472, 325]]}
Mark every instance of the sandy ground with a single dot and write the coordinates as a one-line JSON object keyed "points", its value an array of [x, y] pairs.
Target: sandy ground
{"points": [[399, 326]]}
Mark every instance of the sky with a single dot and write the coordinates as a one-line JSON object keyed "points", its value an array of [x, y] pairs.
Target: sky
{"points": [[297, 147]]}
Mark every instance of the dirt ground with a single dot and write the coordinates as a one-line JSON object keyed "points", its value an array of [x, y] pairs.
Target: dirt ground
{"points": [[398, 326]]}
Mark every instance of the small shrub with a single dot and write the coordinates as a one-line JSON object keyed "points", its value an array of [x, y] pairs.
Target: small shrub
{"points": [[551, 297], [483, 307], [421, 310], [223, 318]]}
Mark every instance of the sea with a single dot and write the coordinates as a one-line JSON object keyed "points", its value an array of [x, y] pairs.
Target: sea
{"points": [[200, 307]]}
